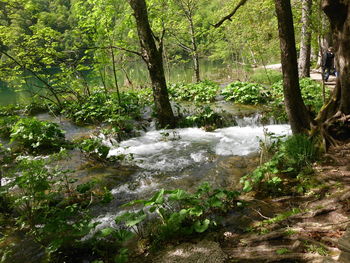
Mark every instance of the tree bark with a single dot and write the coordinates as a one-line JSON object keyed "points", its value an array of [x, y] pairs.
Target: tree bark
{"points": [[338, 13], [189, 7], [296, 110], [324, 39], [195, 55], [334, 120], [305, 45], [154, 60]]}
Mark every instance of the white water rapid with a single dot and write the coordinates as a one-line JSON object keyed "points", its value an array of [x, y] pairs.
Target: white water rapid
{"points": [[174, 150]]}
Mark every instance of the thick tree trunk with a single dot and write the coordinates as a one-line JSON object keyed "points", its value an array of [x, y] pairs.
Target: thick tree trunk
{"points": [[297, 113], [305, 45], [154, 60], [338, 13], [334, 120]]}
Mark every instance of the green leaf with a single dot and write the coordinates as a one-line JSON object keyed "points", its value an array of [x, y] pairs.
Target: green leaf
{"points": [[247, 186], [123, 235], [195, 211], [178, 195], [106, 232], [200, 227]]}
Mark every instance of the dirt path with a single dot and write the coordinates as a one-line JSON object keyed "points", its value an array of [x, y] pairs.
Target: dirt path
{"points": [[313, 234]]}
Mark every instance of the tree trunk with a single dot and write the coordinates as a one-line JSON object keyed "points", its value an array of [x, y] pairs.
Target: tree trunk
{"points": [[334, 120], [338, 13], [194, 51], [324, 39], [154, 60], [305, 45], [297, 113]]}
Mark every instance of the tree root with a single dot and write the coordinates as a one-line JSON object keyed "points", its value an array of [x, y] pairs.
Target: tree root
{"points": [[272, 256]]}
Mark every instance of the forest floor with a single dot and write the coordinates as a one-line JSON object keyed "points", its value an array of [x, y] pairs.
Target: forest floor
{"points": [[309, 228]]}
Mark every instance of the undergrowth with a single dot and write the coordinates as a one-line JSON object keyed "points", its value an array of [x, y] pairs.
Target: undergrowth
{"points": [[204, 91], [289, 166], [246, 93]]}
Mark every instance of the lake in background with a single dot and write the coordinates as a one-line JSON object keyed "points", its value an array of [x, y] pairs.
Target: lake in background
{"points": [[138, 74]]}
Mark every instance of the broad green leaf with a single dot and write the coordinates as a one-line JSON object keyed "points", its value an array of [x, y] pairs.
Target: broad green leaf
{"points": [[201, 226]]}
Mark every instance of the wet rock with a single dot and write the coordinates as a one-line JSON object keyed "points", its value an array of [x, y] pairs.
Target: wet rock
{"points": [[204, 251]]}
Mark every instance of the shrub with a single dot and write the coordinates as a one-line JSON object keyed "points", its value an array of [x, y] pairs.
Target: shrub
{"points": [[104, 107], [204, 91], [36, 107], [48, 206], [94, 148], [179, 213], [293, 156], [34, 135], [246, 93], [311, 92], [6, 124], [205, 117]]}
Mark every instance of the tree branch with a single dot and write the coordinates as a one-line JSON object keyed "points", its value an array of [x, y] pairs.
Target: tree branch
{"points": [[50, 88], [228, 17], [181, 44], [119, 48]]}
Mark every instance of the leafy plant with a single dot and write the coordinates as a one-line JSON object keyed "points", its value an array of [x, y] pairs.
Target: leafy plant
{"points": [[311, 92], [10, 110], [204, 91], [46, 208], [96, 150], [282, 251], [6, 124], [34, 135], [246, 93], [316, 248], [261, 227], [109, 240], [179, 212], [293, 156], [101, 106], [206, 117]]}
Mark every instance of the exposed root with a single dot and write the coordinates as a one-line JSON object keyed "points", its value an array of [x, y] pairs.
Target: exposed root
{"points": [[272, 256]]}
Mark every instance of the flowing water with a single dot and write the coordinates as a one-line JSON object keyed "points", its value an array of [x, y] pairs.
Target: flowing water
{"points": [[184, 158]]}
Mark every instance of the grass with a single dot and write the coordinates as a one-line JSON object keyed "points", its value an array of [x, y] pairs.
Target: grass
{"points": [[268, 76]]}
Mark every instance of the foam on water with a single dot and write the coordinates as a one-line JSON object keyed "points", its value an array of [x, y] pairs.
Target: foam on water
{"points": [[175, 150]]}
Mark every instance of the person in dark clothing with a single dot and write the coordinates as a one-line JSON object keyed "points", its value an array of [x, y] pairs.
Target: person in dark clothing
{"points": [[328, 63]]}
